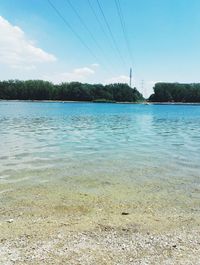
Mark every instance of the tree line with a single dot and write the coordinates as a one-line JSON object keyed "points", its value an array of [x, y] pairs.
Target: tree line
{"points": [[176, 92], [74, 91]]}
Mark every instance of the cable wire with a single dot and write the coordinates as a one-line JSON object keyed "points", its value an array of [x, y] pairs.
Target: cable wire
{"points": [[88, 30], [98, 20], [102, 28], [72, 30], [122, 22], [110, 31]]}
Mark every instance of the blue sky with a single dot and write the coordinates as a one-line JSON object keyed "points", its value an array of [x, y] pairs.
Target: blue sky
{"points": [[164, 36]]}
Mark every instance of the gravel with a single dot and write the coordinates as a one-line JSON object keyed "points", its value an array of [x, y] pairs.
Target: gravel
{"points": [[104, 245]]}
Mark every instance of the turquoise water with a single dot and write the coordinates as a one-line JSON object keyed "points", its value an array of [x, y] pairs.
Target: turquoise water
{"points": [[77, 178], [57, 142]]}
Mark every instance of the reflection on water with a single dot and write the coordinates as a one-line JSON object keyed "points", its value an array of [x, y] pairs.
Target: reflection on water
{"points": [[114, 143]]}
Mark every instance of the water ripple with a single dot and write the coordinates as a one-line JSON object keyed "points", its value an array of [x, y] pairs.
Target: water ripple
{"points": [[130, 142]]}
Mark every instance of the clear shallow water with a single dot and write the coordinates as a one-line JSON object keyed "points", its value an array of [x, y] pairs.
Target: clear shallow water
{"points": [[89, 146]]}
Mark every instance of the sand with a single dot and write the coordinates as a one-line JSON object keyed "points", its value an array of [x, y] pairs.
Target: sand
{"points": [[49, 224]]}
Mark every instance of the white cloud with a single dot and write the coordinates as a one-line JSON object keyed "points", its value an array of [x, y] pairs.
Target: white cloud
{"points": [[82, 72], [17, 51], [78, 74], [95, 65], [118, 79]]}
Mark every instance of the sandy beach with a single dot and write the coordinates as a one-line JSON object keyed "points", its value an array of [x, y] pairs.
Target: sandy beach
{"points": [[56, 226]]}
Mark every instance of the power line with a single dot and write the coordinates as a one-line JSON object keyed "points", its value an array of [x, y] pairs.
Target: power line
{"points": [[101, 25], [110, 31], [122, 22], [97, 18], [71, 28], [82, 22], [87, 29]]}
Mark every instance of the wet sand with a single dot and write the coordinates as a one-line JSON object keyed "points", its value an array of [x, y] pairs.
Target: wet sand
{"points": [[116, 224]]}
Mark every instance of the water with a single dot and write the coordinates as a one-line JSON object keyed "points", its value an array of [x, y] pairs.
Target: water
{"points": [[144, 153]]}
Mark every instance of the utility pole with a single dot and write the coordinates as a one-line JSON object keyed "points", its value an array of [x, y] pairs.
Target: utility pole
{"points": [[143, 89], [130, 77]]}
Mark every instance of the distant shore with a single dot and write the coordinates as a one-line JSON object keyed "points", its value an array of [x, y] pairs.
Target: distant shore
{"points": [[174, 103], [109, 102], [68, 101]]}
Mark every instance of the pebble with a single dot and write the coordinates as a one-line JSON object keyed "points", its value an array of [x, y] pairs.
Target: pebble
{"points": [[125, 213], [10, 221]]}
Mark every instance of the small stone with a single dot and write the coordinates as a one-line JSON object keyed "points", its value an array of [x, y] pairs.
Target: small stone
{"points": [[125, 213], [125, 229], [10, 221]]}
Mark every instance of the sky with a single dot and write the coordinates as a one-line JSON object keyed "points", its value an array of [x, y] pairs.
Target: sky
{"points": [[77, 45]]}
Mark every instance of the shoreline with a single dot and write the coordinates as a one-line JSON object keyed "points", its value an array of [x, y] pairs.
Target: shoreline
{"points": [[174, 103], [92, 102], [66, 101]]}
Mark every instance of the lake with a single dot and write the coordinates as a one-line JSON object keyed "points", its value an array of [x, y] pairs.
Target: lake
{"points": [[109, 158]]}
